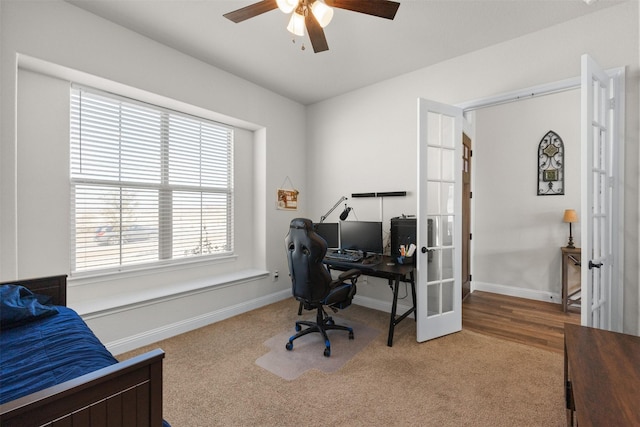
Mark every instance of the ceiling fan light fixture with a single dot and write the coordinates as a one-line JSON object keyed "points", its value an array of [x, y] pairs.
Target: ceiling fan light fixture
{"points": [[296, 24], [287, 6], [322, 12], [311, 16]]}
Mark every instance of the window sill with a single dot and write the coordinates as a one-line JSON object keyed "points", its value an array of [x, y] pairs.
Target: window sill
{"points": [[112, 304], [92, 277]]}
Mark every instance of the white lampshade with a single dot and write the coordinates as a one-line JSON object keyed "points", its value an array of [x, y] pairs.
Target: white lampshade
{"points": [[296, 24], [322, 12], [287, 6]]}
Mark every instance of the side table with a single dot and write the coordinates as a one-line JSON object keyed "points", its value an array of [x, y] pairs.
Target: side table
{"points": [[571, 263]]}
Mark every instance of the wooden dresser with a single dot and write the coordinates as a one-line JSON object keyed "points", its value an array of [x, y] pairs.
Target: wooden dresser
{"points": [[602, 377]]}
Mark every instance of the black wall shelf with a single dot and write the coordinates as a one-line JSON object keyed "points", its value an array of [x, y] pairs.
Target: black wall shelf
{"points": [[381, 194]]}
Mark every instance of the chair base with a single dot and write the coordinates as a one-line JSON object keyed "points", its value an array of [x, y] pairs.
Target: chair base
{"points": [[322, 324]]}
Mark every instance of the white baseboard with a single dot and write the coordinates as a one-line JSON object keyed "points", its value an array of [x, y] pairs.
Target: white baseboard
{"points": [[149, 337], [517, 292]]}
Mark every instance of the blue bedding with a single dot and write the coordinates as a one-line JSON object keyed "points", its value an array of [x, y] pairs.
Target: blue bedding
{"points": [[48, 351]]}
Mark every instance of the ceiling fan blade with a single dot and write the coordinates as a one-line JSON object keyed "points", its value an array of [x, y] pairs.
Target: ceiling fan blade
{"points": [[316, 34], [251, 10], [382, 8]]}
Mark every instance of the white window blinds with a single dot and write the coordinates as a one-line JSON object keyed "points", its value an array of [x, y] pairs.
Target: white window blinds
{"points": [[148, 185]]}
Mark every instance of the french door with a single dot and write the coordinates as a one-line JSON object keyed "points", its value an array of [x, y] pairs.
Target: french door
{"points": [[438, 282], [439, 233], [601, 285]]}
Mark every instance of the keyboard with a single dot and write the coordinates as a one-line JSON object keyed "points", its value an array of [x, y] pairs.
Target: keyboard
{"points": [[348, 257]]}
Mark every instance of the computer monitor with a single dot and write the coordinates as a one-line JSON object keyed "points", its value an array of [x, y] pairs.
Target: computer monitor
{"points": [[363, 236], [329, 231]]}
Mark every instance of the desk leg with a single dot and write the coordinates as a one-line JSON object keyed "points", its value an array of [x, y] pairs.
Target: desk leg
{"points": [[394, 284], [394, 307], [413, 294]]}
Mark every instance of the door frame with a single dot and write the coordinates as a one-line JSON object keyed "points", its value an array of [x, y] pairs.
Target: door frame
{"points": [[574, 83], [467, 164]]}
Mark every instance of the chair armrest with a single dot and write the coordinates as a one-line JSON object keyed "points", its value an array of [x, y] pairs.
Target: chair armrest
{"points": [[349, 275]]}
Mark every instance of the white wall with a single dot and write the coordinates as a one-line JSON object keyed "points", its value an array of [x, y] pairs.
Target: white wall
{"points": [[517, 234], [59, 39], [367, 138]]}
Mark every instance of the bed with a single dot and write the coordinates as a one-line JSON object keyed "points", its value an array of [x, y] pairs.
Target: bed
{"points": [[55, 372]]}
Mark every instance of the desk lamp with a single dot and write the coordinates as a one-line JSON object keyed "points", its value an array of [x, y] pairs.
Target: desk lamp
{"points": [[570, 216]]}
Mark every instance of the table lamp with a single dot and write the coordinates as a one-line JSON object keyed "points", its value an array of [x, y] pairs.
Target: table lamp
{"points": [[570, 216]]}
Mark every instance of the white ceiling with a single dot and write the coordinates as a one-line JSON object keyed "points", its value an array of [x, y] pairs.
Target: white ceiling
{"points": [[362, 49]]}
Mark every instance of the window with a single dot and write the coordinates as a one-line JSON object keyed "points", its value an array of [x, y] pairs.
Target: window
{"points": [[148, 185]]}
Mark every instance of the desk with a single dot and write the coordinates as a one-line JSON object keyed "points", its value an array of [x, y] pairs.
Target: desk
{"points": [[602, 377], [394, 273]]}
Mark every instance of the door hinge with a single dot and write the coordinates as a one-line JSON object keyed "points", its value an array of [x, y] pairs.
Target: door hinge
{"points": [[470, 236], [470, 153], [470, 278], [471, 194], [612, 103]]}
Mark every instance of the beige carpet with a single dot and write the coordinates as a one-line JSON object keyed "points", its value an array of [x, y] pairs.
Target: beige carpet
{"points": [[308, 351], [466, 379]]}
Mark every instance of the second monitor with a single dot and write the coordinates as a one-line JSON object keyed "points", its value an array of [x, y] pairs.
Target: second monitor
{"points": [[329, 231], [365, 236]]}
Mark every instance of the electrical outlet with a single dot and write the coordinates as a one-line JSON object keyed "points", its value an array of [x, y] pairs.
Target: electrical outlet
{"points": [[275, 276]]}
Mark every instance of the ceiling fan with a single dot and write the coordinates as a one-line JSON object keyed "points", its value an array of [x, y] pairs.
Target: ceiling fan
{"points": [[314, 14]]}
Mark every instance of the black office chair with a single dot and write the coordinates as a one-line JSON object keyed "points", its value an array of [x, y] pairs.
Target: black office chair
{"points": [[312, 284]]}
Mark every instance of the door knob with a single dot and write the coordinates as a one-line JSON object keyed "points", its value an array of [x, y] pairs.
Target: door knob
{"points": [[594, 265], [423, 250]]}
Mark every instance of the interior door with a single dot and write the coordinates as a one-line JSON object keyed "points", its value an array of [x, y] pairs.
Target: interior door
{"points": [[598, 155], [439, 233]]}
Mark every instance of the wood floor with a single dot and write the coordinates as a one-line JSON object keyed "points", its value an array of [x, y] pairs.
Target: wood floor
{"points": [[536, 323]]}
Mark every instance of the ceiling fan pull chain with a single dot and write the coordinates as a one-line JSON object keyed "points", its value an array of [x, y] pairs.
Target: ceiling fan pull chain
{"points": [[293, 40]]}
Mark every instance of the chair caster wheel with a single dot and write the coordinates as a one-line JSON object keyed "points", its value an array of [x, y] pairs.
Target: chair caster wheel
{"points": [[289, 346], [298, 328], [327, 352], [350, 335]]}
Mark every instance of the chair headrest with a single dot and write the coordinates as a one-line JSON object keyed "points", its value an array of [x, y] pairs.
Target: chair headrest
{"points": [[301, 224]]}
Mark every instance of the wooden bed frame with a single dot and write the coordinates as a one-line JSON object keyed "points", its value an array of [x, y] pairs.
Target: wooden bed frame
{"points": [[128, 393]]}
